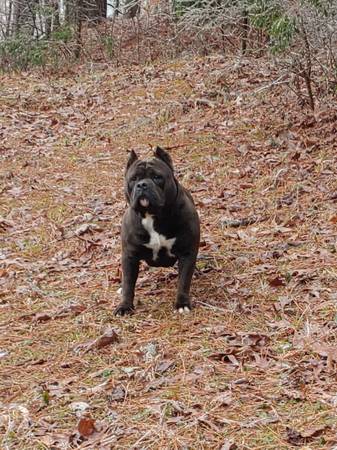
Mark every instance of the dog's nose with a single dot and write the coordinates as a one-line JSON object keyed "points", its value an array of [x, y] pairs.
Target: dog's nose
{"points": [[142, 185]]}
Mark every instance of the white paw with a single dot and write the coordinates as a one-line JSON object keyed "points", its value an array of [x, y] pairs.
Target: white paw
{"points": [[184, 310], [120, 291]]}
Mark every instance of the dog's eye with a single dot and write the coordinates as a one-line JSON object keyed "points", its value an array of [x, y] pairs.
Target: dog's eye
{"points": [[133, 179], [157, 178]]}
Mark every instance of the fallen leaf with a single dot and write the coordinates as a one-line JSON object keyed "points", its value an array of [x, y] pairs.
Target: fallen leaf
{"points": [[87, 227], [42, 317], [108, 337], [165, 365], [276, 282], [295, 437], [86, 426], [223, 399], [3, 353], [117, 395], [314, 431], [79, 408], [5, 223], [73, 309], [229, 445]]}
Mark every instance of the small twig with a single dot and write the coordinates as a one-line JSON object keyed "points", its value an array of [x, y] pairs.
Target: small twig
{"points": [[235, 223], [141, 439], [207, 305], [272, 84], [276, 180]]}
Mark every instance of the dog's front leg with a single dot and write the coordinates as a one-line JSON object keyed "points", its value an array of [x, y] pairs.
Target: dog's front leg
{"points": [[130, 269], [186, 266]]}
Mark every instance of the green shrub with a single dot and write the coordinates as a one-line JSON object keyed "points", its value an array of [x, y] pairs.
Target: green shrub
{"points": [[109, 45], [21, 52], [63, 34], [274, 21]]}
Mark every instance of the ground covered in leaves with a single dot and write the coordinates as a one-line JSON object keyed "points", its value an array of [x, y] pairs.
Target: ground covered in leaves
{"points": [[254, 365]]}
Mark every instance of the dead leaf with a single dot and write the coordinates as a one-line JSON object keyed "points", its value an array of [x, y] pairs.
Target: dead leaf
{"points": [[229, 445], [327, 351], [86, 228], [86, 426], [42, 317], [165, 365], [277, 282], [283, 301], [257, 421], [3, 353], [5, 223], [72, 309], [235, 223], [295, 437], [117, 395], [314, 431], [79, 408], [108, 337], [223, 399]]}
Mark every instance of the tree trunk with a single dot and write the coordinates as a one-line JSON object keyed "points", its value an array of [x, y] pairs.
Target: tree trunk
{"points": [[92, 10], [8, 13], [52, 19], [17, 11], [79, 9], [102, 8], [70, 9], [245, 29]]}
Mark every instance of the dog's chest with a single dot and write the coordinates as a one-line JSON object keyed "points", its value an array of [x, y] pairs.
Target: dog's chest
{"points": [[157, 241]]}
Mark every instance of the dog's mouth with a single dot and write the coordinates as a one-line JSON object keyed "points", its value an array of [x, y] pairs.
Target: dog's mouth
{"points": [[144, 202]]}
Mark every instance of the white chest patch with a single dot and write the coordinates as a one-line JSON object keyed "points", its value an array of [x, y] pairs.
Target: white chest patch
{"points": [[157, 241]]}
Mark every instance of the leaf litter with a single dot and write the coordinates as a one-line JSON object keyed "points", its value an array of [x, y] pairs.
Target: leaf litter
{"points": [[254, 366]]}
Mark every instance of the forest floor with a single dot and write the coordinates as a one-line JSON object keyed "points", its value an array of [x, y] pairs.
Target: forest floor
{"points": [[254, 365]]}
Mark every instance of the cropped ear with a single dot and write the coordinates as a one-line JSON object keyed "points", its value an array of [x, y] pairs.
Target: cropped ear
{"points": [[164, 156], [132, 158]]}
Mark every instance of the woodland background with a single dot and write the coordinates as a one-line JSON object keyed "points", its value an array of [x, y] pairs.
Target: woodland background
{"points": [[243, 95]]}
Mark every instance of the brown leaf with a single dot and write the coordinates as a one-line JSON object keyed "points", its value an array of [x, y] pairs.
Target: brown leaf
{"points": [[295, 437], [86, 426], [282, 303], [257, 421], [87, 227], [276, 282], [225, 358], [293, 394], [314, 431], [327, 351], [74, 309], [235, 223], [42, 317], [109, 337], [228, 445], [165, 365], [117, 395], [223, 399], [5, 223]]}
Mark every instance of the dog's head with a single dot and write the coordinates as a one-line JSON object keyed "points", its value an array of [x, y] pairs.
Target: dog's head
{"points": [[150, 184]]}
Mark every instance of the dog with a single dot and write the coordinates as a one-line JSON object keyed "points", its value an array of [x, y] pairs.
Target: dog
{"points": [[160, 226]]}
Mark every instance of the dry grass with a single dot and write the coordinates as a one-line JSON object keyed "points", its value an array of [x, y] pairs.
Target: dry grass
{"points": [[255, 362]]}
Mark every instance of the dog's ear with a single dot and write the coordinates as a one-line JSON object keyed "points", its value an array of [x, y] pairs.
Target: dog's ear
{"points": [[132, 158], [164, 156]]}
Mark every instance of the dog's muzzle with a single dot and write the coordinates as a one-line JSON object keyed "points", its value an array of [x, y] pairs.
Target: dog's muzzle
{"points": [[142, 193]]}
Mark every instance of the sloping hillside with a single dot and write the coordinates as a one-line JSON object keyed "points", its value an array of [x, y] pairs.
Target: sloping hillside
{"points": [[254, 365]]}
